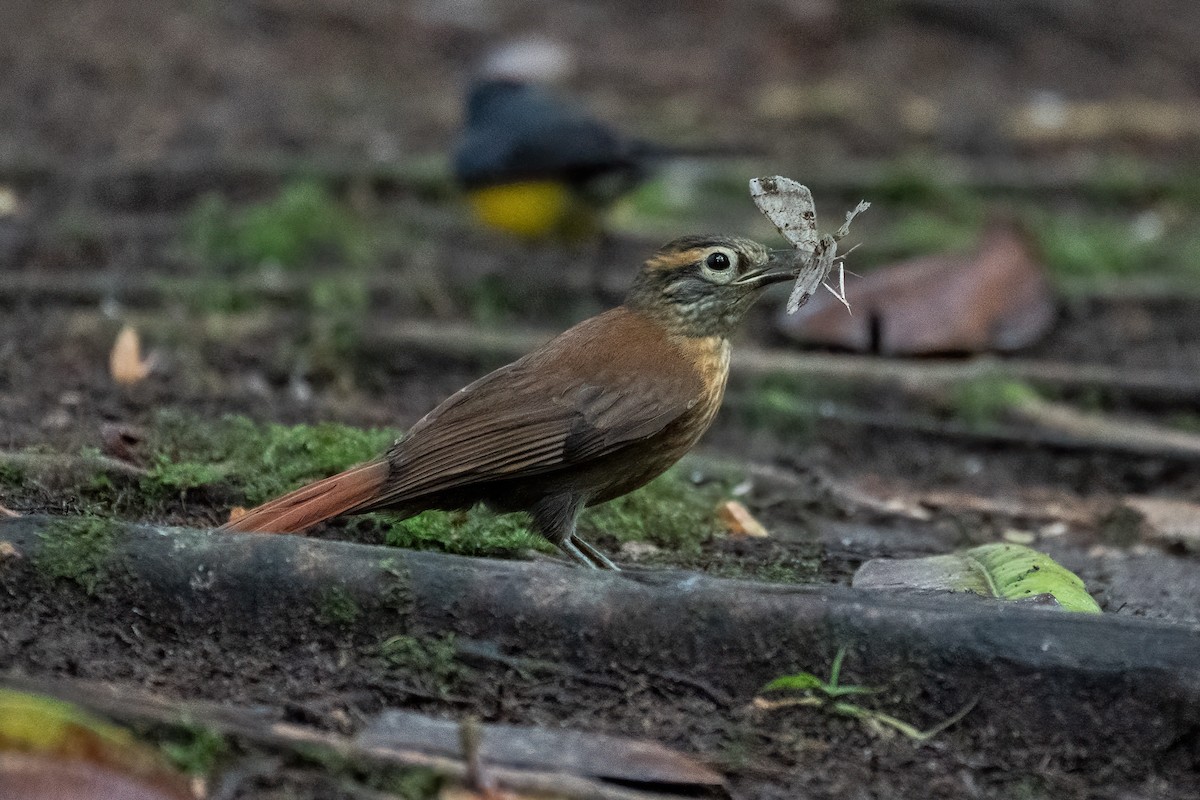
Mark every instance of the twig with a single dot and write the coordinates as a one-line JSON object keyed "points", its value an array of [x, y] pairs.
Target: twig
{"points": [[1116, 433], [1060, 437], [65, 462]]}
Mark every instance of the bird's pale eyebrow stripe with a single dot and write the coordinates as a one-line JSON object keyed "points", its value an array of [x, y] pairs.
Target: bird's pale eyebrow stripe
{"points": [[677, 259]]}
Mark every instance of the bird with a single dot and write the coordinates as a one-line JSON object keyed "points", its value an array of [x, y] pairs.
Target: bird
{"points": [[596, 412], [534, 165]]}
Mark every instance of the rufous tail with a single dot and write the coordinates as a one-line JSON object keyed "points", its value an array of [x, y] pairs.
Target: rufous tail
{"points": [[325, 499]]}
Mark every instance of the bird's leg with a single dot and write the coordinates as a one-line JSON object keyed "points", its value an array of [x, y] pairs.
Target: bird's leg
{"points": [[568, 547], [554, 518], [598, 559]]}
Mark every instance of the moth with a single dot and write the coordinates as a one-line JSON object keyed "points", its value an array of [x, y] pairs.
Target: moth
{"points": [[790, 207]]}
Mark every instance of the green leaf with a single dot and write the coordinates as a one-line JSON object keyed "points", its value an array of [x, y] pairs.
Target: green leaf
{"points": [[800, 682], [1006, 571], [1017, 571]]}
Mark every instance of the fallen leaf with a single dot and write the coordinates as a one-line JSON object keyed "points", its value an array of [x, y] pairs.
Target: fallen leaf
{"points": [[50, 749], [125, 362], [121, 441], [997, 298], [739, 522], [236, 513], [1007, 571], [1167, 521]]}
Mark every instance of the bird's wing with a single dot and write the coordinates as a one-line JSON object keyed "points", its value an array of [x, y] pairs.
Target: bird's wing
{"points": [[542, 413]]}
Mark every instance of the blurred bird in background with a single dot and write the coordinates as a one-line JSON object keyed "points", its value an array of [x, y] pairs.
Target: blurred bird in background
{"points": [[535, 165]]}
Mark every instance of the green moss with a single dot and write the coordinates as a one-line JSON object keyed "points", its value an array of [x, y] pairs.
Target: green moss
{"points": [[983, 401], [431, 659], [1184, 421], [920, 181], [413, 783], [304, 223], [492, 300], [1076, 246], [196, 751], [477, 532], [410, 783], [336, 607], [11, 475], [1079, 248], [803, 569], [77, 549], [260, 461], [670, 512], [922, 232], [786, 403]]}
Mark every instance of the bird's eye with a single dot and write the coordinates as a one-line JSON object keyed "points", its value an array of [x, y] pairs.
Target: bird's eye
{"points": [[717, 261]]}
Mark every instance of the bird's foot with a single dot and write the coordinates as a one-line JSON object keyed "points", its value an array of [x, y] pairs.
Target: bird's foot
{"points": [[586, 555]]}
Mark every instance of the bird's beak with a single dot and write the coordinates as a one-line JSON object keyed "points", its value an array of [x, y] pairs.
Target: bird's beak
{"points": [[782, 265]]}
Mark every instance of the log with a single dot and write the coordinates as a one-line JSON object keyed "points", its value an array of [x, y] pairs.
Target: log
{"points": [[1050, 677]]}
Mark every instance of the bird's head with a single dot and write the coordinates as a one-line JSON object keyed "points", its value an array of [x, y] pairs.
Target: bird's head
{"points": [[703, 285]]}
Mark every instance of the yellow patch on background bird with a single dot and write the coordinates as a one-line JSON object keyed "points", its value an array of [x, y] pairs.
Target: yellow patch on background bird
{"points": [[525, 208]]}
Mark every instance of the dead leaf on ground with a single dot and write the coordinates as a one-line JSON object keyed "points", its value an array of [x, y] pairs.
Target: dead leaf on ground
{"points": [[50, 749], [236, 513], [121, 441], [1001, 570], [125, 362], [997, 298], [739, 522], [1170, 522]]}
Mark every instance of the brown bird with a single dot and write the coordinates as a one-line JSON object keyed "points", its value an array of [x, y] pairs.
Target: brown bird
{"points": [[591, 415]]}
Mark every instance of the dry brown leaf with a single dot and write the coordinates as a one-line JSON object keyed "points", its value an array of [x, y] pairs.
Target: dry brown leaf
{"points": [[738, 520], [236, 513], [125, 362], [1168, 521], [997, 298], [121, 441]]}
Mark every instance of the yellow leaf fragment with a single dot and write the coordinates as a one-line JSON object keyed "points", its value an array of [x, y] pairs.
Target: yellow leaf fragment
{"points": [[738, 520], [51, 749], [125, 362]]}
